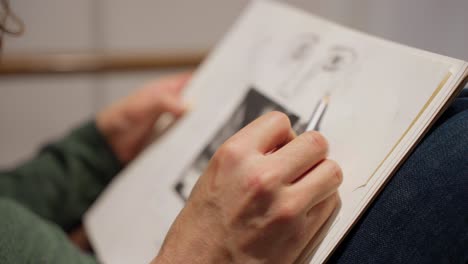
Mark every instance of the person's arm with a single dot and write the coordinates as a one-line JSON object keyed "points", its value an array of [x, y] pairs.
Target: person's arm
{"points": [[27, 238], [51, 192], [61, 182]]}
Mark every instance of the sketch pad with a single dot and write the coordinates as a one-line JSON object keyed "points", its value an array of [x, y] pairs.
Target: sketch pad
{"points": [[383, 98]]}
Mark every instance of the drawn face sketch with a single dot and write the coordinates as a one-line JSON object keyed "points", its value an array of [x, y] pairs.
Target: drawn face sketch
{"points": [[280, 62], [339, 58], [332, 73], [325, 75]]}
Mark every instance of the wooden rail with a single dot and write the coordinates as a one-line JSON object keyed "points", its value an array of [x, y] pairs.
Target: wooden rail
{"points": [[93, 63]]}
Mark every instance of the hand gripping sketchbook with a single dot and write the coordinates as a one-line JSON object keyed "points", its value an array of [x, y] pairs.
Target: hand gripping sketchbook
{"points": [[382, 97]]}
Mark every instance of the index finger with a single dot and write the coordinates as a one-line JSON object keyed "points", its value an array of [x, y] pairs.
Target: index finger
{"points": [[266, 133]]}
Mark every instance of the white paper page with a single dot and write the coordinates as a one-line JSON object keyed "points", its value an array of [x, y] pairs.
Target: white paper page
{"points": [[276, 58]]}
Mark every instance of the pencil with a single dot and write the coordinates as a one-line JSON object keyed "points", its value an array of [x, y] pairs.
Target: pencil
{"points": [[317, 115]]}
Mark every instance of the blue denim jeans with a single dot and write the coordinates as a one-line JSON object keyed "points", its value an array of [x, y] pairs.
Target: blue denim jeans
{"points": [[422, 214]]}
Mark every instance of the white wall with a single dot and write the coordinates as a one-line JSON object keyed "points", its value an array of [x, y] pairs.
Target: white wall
{"points": [[34, 108]]}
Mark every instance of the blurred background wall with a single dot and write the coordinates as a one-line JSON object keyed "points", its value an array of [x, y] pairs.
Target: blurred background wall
{"points": [[39, 107]]}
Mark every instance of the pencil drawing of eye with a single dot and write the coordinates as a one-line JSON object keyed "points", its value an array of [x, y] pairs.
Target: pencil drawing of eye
{"points": [[300, 48], [258, 47], [339, 58]]}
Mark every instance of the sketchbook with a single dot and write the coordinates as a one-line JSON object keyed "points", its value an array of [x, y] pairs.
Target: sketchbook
{"points": [[383, 98]]}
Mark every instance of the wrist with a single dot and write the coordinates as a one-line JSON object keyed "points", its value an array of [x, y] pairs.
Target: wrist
{"points": [[192, 246], [195, 257]]}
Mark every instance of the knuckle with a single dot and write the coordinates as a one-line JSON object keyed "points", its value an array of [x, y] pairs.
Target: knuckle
{"points": [[316, 140], [335, 171], [260, 182], [230, 152], [287, 212], [280, 119]]}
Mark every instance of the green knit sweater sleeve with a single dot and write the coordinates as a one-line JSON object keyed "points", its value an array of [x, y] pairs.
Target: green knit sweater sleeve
{"points": [[27, 238], [62, 181]]}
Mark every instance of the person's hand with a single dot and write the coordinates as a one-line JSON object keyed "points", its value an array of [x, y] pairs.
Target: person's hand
{"points": [[263, 197], [128, 124]]}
